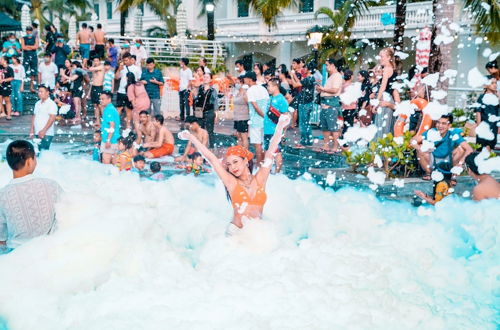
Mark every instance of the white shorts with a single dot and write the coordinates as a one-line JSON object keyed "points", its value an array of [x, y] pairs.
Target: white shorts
{"points": [[256, 135]]}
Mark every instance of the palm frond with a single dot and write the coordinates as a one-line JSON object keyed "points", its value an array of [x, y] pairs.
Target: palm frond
{"points": [[486, 16]]}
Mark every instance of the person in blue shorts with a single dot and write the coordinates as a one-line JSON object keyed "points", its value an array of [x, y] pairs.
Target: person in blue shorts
{"points": [[278, 105], [441, 144]]}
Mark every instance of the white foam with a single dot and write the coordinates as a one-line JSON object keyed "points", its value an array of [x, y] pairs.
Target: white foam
{"points": [[148, 255]]}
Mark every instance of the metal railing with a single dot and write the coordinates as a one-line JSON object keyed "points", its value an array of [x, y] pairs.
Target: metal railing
{"points": [[369, 24], [170, 51]]}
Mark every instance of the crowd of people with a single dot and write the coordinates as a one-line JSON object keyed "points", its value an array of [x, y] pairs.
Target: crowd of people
{"points": [[124, 87]]}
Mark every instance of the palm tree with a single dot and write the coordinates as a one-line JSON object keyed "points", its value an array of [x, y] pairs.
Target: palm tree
{"points": [[269, 10], [337, 39], [399, 27], [486, 16], [162, 8], [10, 7]]}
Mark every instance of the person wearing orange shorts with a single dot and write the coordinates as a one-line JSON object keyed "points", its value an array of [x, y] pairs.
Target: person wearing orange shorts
{"points": [[164, 144]]}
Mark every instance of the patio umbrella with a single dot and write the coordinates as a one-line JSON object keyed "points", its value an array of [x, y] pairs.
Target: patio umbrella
{"points": [[8, 24]]}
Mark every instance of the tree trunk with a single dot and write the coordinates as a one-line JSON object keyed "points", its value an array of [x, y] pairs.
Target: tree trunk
{"points": [[122, 22], [440, 57], [399, 28]]}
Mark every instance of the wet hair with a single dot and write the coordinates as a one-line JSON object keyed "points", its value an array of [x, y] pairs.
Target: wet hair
{"points": [[448, 116], [160, 119], [18, 152], [127, 142], [470, 161], [150, 60], [192, 119], [491, 65], [445, 169], [155, 167], [185, 60], [194, 155], [99, 25], [144, 112], [139, 158], [84, 25]]}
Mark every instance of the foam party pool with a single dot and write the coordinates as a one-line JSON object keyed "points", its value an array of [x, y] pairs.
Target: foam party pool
{"points": [[138, 254]]}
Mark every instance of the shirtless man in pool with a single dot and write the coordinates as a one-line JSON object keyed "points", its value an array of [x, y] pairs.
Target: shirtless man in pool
{"points": [[200, 133], [146, 131], [164, 144], [487, 187]]}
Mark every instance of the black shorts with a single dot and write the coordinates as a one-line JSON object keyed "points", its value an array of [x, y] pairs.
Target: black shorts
{"points": [[77, 92], [267, 141], [122, 101], [99, 51], [95, 94], [5, 92], [241, 126], [30, 63]]}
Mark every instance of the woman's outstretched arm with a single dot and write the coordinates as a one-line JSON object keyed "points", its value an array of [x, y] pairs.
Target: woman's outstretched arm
{"points": [[265, 168], [228, 180]]}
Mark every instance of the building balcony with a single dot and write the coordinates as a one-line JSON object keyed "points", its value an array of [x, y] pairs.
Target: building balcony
{"points": [[293, 27]]}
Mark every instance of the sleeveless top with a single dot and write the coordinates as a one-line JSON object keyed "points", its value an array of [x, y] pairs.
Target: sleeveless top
{"points": [[240, 108], [392, 79], [29, 41]]}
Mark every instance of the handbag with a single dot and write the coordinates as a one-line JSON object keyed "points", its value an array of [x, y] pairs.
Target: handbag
{"points": [[198, 111], [272, 113]]}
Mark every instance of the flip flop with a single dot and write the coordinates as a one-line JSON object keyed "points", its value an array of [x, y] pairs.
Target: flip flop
{"points": [[427, 177]]}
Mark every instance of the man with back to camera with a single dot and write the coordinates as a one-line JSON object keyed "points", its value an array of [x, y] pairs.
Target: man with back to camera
{"points": [[27, 203], [487, 187]]}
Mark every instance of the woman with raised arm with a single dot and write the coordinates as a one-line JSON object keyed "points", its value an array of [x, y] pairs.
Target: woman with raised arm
{"points": [[245, 190]]}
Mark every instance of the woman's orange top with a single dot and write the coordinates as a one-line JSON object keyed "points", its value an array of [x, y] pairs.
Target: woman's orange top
{"points": [[240, 196], [128, 161]]}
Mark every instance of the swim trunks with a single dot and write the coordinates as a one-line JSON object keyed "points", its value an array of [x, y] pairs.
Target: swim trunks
{"points": [[164, 150]]}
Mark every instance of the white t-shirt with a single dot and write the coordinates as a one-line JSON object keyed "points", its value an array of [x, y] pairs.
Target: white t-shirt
{"points": [[48, 74], [259, 95], [186, 76], [123, 77], [140, 53], [19, 73], [42, 115]]}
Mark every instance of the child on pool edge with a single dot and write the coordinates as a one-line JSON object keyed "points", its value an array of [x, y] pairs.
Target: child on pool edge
{"points": [[125, 155], [442, 188]]}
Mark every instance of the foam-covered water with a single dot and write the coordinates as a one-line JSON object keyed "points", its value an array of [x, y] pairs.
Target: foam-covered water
{"points": [[133, 254]]}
